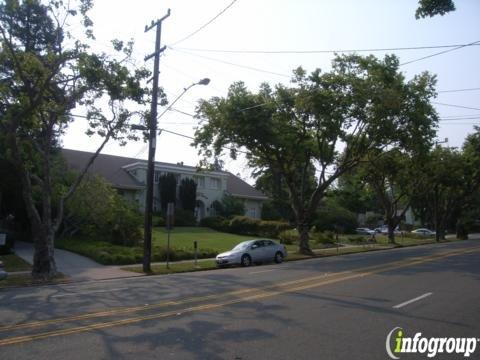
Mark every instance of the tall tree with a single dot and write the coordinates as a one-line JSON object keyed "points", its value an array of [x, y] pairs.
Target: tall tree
{"points": [[364, 103], [452, 187], [187, 193], [394, 176], [46, 73], [167, 185]]}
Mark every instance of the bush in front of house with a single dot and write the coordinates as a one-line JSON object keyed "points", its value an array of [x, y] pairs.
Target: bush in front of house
{"points": [[325, 238], [109, 254], [218, 223], [244, 225], [184, 218], [332, 217], [229, 206], [97, 211], [289, 237]]}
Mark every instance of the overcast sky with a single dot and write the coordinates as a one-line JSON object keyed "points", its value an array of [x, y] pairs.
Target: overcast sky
{"points": [[284, 25]]}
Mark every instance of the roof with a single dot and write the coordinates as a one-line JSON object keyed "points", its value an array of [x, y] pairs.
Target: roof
{"points": [[239, 188], [112, 169], [107, 166]]}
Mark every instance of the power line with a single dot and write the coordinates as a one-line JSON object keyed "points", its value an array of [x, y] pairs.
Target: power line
{"points": [[206, 24], [192, 138], [456, 106], [232, 64], [440, 53], [320, 51], [458, 90]]}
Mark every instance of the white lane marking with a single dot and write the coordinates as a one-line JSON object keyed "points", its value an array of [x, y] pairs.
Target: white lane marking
{"points": [[412, 300], [88, 292], [259, 272]]}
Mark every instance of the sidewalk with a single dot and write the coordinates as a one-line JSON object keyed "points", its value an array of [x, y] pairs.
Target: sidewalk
{"points": [[77, 267]]}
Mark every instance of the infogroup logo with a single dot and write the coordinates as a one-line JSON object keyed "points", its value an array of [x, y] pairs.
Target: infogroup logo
{"points": [[400, 344]]}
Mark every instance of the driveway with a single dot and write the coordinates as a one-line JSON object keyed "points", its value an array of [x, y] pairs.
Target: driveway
{"points": [[77, 267]]}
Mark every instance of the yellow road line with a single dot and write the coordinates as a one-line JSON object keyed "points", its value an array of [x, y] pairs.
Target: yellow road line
{"points": [[260, 294]]}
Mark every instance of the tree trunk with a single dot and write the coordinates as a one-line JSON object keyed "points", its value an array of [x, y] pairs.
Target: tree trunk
{"points": [[44, 266], [304, 245], [462, 232]]}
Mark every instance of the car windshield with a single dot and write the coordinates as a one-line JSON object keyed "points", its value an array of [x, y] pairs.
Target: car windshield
{"points": [[242, 245]]}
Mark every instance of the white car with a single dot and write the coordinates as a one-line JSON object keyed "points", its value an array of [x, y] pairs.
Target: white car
{"points": [[365, 231], [424, 232], [253, 251]]}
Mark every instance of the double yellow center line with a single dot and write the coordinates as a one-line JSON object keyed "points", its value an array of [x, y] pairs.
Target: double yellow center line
{"points": [[242, 295]]}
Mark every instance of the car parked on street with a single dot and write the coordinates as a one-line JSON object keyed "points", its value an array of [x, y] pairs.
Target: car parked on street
{"points": [[424, 232], [253, 251], [365, 231]]}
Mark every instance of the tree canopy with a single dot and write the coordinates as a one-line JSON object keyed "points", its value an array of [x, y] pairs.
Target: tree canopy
{"points": [[328, 121], [46, 73]]}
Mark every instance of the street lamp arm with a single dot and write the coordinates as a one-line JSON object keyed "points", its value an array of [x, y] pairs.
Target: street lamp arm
{"points": [[204, 81]]}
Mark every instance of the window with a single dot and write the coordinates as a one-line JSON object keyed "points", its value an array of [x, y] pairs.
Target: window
{"points": [[157, 176], [215, 183], [200, 180]]}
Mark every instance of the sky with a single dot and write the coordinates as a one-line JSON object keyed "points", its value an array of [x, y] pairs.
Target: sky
{"points": [[282, 25]]}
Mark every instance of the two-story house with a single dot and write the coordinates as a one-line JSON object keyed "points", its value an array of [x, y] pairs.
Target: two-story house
{"points": [[128, 176]]}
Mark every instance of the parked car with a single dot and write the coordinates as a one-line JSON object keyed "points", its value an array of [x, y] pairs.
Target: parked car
{"points": [[365, 231], [253, 251], [424, 232], [3, 273], [384, 230]]}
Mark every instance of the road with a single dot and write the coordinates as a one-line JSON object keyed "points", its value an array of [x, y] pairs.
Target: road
{"points": [[326, 308]]}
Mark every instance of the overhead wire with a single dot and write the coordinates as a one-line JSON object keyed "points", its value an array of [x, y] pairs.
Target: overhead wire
{"points": [[440, 53], [456, 106], [319, 51], [458, 90], [206, 24]]}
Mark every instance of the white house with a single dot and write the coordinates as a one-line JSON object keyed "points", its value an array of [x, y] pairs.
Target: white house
{"points": [[128, 176]]}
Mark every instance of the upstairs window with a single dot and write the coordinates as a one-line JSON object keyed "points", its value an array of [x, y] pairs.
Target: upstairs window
{"points": [[215, 183]]}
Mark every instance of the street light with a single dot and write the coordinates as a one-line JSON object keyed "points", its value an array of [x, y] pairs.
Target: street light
{"points": [[147, 240]]}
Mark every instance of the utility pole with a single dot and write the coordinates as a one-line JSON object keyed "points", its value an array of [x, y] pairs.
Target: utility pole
{"points": [[152, 139]]}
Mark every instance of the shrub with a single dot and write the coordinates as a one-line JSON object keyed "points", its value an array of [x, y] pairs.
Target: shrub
{"points": [[288, 237], [218, 223], [356, 239], [327, 237], [270, 211], [185, 218], [96, 210], [244, 225], [229, 206], [333, 216], [271, 229]]}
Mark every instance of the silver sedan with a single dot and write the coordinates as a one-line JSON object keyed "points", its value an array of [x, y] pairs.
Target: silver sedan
{"points": [[253, 251]]}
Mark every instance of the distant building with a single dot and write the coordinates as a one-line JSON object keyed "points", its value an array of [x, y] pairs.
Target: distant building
{"points": [[128, 176]]}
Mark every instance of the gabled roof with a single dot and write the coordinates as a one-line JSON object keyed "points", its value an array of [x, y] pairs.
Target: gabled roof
{"points": [[113, 169], [239, 188], [109, 167]]}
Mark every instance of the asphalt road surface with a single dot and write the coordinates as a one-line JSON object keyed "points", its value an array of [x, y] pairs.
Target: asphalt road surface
{"points": [[327, 308]]}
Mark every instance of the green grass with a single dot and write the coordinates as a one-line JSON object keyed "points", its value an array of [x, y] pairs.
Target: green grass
{"points": [[210, 243], [183, 238], [14, 263]]}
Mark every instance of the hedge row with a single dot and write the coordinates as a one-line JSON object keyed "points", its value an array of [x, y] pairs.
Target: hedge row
{"points": [[109, 254], [244, 225]]}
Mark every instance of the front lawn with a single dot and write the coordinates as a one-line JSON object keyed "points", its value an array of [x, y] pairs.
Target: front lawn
{"points": [[210, 243], [14, 263], [183, 238]]}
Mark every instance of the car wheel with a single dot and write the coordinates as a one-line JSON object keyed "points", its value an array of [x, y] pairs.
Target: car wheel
{"points": [[246, 260], [278, 257]]}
